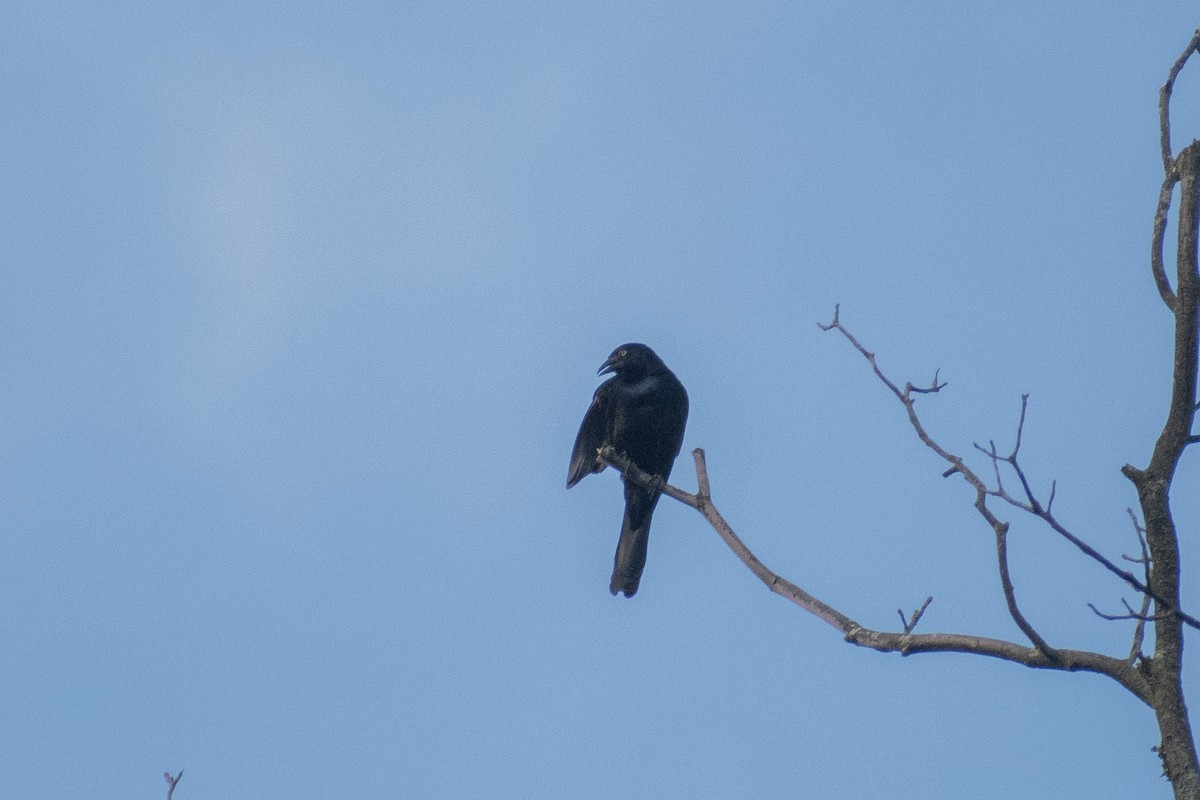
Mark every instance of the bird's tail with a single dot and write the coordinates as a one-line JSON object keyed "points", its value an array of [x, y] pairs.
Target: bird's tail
{"points": [[635, 536]]}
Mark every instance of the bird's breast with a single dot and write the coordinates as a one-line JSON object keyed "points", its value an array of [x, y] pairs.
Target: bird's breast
{"points": [[644, 385]]}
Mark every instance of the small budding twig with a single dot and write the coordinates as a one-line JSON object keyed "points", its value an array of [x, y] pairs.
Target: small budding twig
{"points": [[909, 624]]}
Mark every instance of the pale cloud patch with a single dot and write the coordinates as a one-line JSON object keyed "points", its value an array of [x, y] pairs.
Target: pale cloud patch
{"points": [[258, 161]]}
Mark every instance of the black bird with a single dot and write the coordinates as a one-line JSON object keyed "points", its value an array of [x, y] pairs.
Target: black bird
{"points": [[641, 411]]}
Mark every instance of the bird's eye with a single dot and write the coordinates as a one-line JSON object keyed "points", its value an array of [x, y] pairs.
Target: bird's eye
{"points": [[622, 353]]}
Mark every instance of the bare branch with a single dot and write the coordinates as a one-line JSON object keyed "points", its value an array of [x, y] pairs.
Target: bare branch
{"points": [[1032, 505], [1044, 513], [1157, 267], [1125, 575], [903, 643], [999, 528], [1164, 103], [1010, 597], [1170, 174], [903, 396], [172, 782]]}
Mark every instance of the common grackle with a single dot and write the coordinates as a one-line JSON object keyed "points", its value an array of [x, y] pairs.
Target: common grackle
{"points": [[641, 411]]}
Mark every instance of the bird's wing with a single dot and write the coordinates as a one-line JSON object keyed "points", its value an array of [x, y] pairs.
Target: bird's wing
{"points": [[591, 437]]}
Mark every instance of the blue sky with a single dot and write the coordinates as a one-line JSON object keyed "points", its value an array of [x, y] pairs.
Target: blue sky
{"points": [[303, 305]]}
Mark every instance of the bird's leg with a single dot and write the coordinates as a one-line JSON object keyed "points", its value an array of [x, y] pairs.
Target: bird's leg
{"points": [[626, 461], [618, 458]]}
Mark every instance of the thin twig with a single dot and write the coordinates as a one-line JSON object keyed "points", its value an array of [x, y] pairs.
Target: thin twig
{"points": [[1140, 616], [911, 623], [1129, 614], [172, 782], [991, 453], [934, 385], [1139, 630]]}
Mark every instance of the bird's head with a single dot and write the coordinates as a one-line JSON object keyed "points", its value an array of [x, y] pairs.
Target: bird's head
{"points": [[631, 361]]}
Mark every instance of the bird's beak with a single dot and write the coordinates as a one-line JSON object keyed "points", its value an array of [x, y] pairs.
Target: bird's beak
{"points": [[608, 366]]}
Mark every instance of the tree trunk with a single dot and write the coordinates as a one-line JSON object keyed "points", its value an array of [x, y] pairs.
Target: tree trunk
{"points": [[1165, 670]]}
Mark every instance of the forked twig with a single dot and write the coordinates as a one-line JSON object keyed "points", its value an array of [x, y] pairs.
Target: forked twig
{"points": [[1170, 175], [911, 622], [172, 782]]}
